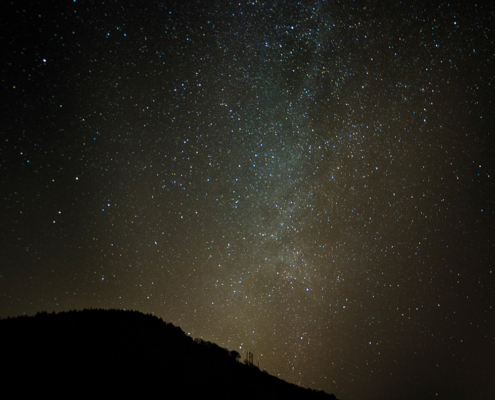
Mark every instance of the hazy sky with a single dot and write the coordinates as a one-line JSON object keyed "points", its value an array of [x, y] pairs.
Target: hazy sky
{"points": [[310, 181]]}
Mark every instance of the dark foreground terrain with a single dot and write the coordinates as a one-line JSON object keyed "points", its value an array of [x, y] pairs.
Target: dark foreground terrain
{"points": [[115, 352]]}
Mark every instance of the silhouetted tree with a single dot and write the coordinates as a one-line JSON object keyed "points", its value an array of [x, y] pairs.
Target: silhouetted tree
{"points": [[235, 355]]}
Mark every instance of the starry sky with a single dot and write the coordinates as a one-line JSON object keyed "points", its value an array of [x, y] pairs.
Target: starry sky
{"points": [[309, 181]]}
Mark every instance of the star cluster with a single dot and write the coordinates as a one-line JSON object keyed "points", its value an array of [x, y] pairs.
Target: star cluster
{"points": [[309, 181]]}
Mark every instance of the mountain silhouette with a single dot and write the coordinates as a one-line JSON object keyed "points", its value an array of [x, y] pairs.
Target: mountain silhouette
{"points": [[127, 353]]}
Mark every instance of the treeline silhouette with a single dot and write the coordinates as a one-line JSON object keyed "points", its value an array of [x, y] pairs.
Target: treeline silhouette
{"points": [[127, 353]]}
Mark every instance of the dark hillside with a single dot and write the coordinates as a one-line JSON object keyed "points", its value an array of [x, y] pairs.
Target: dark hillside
{"points": [[127, 353]]}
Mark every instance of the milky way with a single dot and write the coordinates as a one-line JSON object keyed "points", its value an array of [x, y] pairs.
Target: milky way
{"points": [[308, 181]]}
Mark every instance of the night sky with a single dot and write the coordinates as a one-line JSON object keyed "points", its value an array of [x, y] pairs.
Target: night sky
{"points": [[309, 181]]}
